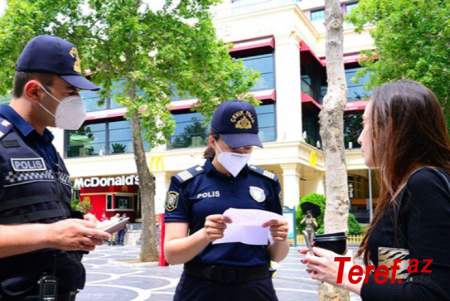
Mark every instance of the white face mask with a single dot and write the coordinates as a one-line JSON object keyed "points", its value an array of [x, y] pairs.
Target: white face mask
{"points": [[233, 162], [70, 113]]}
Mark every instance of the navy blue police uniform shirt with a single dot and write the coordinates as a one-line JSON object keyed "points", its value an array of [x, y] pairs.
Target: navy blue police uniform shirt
{"points": [[202, 191], [42, 144]]}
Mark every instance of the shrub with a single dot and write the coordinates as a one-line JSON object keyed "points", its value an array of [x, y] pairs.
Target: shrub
{"points": [[319, 199], [81, 206]]}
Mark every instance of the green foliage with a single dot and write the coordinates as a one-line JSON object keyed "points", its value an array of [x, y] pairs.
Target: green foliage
{"points": [[77, 205], [319, 199], [118, 148], [152, 51], [411, 39]]}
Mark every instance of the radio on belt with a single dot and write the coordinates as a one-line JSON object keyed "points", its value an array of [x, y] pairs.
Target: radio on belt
{"points": [[48, 285]]}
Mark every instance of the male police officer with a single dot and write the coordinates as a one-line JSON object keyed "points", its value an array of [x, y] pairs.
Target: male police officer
{"points": [[38, 237]]}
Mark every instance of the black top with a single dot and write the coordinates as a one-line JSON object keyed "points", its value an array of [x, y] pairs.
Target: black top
{"points": [[425, 222]]}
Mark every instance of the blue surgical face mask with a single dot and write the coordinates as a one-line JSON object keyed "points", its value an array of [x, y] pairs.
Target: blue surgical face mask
{"points": [[233, 162]]}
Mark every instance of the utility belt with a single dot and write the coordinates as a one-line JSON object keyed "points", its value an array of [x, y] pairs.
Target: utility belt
{"points": [[68, 296], [227, 273]]}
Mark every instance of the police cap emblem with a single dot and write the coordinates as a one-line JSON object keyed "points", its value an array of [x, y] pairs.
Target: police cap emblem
{"points": [[257, 194], [172, 200]]}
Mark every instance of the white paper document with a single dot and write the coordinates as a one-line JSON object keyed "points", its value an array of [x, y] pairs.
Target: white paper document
{"points": [[247, 226]]}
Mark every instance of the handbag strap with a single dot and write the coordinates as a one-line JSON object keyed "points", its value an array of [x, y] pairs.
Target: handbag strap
{"points": [[402, 241]]}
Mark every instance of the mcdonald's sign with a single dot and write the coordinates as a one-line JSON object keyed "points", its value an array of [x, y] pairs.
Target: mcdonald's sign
{"points": [[87, 199], [156, 163], [312, 158]]}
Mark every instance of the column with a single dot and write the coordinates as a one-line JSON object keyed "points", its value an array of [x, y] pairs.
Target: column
{"points": [[291, 184], [162, 182], [288, 88]]}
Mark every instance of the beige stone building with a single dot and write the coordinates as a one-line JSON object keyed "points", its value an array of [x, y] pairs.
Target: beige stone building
{"points": [[285, 41]]}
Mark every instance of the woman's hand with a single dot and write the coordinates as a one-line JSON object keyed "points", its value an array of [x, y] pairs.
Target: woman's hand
{"points": [[279, 229], [215, 226], [322, 266]]}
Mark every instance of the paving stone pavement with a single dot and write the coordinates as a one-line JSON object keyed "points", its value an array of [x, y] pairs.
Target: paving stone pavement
{"points": [[107, 282]]}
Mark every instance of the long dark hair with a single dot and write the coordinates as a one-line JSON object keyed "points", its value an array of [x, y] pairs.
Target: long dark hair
{"points": [[408, 132], [210, 152]]}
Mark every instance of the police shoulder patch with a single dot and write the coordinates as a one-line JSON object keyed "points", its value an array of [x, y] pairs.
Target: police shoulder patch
{"points": [[5, 127], [172, 200], [189, 174], [264, 172]]}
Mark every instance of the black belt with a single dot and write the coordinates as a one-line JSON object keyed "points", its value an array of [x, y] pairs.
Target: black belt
{"points": [[68, 296], [227, 273]]}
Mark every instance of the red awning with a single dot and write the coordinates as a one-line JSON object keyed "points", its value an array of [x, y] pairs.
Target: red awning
{"points": [[188, 103], [257, 43], [349, 107], [106, 114], [356, 105], [308, 99], [348, 58]]}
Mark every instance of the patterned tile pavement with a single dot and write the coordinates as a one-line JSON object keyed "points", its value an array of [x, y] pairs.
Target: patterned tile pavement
{"points": [[108, 282]]}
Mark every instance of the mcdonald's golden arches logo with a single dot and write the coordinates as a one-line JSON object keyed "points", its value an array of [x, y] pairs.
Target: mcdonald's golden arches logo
{"points": [[312, 158], [87, 199], [156, 163]]}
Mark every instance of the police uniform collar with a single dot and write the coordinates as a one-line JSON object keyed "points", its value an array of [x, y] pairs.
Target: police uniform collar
{"points": [[21, 124], [209, 168]]}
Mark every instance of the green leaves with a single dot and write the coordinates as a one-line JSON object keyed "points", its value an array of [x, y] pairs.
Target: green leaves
{"points": [[151, 51], [412, 40]]}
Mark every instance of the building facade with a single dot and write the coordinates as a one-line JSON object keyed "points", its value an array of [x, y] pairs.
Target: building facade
{"points": [[284, 40]]}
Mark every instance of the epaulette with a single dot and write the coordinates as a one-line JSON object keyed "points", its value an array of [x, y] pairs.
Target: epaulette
{"points": [[264, 172], [5, 127], [189, 174]]}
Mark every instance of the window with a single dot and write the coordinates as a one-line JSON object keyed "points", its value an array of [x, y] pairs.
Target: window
{"points": [[355, 90], [124, 202], [91, 98], [352, 129], [120, 140], [259, 63], [265, 65], [317, 15], [89, 140], [90, 101], [110, 138], [311, 125], [109, 202], [266, 120], [191, 130], [349, 7]]}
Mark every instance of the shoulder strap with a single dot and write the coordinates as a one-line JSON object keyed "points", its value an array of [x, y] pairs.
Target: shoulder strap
{"points": [[402, 241], [264, 172], [189, 174], [5, 127]]}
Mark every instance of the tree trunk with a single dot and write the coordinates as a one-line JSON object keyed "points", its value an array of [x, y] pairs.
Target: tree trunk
{"points": [[332, 133], [149, 247]]}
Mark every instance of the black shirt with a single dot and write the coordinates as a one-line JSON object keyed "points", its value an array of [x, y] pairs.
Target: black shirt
{"points": [[425, 218]]}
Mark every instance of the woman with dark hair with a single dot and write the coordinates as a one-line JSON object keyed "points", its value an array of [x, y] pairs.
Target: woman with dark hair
{"points": [[196, 201], [405, 137]]}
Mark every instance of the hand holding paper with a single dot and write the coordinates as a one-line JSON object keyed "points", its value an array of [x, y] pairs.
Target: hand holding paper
{"points": [[247, 226]]}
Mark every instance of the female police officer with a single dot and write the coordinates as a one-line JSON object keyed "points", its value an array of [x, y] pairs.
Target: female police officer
{"points": [[196, 201]]}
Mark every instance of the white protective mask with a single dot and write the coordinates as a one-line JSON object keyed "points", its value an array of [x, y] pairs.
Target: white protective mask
{"points": [[233, 162], [70, 113]]}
